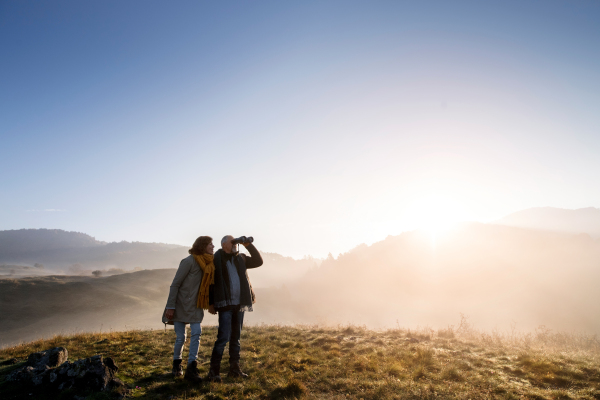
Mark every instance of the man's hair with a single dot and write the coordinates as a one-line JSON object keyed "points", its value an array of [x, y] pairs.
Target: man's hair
{"points": [[225, 239], [199, 246]]}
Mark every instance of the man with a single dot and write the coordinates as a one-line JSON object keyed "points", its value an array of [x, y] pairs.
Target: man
{"points": [[229, 296], [183, 306]]}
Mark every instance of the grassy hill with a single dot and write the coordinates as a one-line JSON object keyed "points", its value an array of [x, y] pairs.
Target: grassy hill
{"points": [[43, 306], [38, 307], [348, 363]]}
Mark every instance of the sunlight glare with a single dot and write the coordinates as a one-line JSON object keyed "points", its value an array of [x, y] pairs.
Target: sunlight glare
{"points": [[435, 214]]}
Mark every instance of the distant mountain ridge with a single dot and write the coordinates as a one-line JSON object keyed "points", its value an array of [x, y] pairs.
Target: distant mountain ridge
{"points": [[27, 240], [582, 220], [55, 251], [72, 252]]}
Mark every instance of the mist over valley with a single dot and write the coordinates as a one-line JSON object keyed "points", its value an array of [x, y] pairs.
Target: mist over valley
{"points": [[500, 277]]}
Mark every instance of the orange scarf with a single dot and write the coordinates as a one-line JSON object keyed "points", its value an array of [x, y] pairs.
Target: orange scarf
{"points": [[206, 263]]}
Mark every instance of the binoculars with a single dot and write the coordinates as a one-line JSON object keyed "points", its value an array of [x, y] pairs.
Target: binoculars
{"points": [[242, 240]]}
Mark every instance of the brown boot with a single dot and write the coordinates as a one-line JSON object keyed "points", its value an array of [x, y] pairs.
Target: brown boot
{"points": [[214, 373], [235, 371], [191, 372], [177, 368]]}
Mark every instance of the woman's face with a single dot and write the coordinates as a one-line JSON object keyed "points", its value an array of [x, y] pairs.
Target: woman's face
{"points": [[210, 248]]}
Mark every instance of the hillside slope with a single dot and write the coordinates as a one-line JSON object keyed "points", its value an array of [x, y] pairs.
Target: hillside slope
{"points": [[583, 220], [44, 306], [498, 275], [38, 307], [346, 363]]}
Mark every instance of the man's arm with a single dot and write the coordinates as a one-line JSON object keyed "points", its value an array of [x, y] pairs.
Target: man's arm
{"points": [[254, 260]]}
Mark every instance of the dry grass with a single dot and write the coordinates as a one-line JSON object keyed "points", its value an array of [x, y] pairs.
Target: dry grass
{"points": [[352, 363]]}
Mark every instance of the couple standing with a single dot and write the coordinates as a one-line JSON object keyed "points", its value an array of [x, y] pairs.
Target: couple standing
{"points": [[218, 283]]}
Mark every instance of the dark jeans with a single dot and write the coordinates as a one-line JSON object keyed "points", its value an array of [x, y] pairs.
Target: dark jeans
{"points": [[230, 329]]}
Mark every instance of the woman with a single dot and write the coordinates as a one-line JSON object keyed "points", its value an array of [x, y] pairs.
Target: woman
{"points": [[187, 298]]}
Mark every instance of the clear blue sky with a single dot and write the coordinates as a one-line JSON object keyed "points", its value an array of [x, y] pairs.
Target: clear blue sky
{"points": [[314, 126]]}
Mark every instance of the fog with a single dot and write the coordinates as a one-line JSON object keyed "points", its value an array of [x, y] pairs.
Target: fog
{"points": [[501, 278]]}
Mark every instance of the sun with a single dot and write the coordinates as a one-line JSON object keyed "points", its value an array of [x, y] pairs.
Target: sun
{"points": [[435, 214]]}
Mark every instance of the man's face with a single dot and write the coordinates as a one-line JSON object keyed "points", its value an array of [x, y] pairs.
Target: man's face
{"points": [[227, 246]]}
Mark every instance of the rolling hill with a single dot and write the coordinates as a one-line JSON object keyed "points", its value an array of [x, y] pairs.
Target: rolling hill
{"points": [[501, 277], [78, 253], [35, 252], [583, 220]]}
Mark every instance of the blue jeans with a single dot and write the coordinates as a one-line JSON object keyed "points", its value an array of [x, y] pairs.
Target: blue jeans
{"points": [[230, 329], [180, 340]]}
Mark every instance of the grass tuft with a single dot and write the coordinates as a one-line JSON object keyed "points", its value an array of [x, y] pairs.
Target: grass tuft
{"points": [[451, 374], [293, 390]]}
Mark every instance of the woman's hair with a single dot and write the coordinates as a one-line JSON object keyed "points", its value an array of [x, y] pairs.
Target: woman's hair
{"points": [[199, 246]]}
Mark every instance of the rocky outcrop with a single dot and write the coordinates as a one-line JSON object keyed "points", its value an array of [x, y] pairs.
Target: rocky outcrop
{"points": [[50, 369], [50, 358]]}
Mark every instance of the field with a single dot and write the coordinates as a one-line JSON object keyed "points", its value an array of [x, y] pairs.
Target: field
{"points": [[348, 363]]}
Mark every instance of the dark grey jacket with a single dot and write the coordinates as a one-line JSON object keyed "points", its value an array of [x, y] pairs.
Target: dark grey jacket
{"points": [[183, 295], [219, 292]]}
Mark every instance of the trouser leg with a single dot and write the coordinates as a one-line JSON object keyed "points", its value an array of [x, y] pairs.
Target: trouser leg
{"points": [[196, 333], [237, 321], [179, 340], [223, 334]]}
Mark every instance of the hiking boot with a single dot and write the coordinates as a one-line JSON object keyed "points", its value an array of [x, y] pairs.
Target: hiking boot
{"points": [[235, 371], [191, 372], [214, 373], [177, 368]]}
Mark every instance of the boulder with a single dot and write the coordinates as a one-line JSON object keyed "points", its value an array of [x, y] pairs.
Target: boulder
{"points": [[94, 373], [50, 370], [51, 358]]}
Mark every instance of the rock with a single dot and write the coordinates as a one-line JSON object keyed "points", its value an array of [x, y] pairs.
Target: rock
{"points": [[21, 375], [11, 361], [111, 364], [93, 373], [50, 370], [51, 358]]}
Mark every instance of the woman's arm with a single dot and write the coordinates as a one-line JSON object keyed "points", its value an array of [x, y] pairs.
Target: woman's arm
{"points": [[182, 273]]}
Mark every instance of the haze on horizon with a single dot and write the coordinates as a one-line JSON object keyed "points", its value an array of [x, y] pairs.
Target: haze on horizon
{"points": [[312, 126]]}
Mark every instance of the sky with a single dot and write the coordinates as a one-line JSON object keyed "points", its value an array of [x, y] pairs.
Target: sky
{"points": [[313, 126]]}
